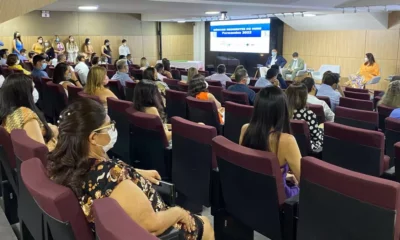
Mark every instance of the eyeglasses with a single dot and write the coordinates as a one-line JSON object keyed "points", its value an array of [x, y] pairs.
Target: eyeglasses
{"points": [[110, 126]]}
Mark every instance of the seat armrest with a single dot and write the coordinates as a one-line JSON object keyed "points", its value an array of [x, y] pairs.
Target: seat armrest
{"points": [[167, 191], [290, 217], [390, 174], [170, 234], [301, 73]]}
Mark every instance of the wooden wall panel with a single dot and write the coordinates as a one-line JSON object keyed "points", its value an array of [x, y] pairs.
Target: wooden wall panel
{"points": [[350, 44], [383, 44], [178, 47], [14, 8]]}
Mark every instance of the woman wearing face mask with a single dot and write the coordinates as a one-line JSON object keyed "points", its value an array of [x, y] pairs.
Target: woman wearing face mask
{"points": [[51, 55], [72, 49], [14, 63], [58, 46], [64, 76], [38, 47], [368, 70], [88, 48], [18, 111], [80, 162], [18, 45], [106, 50]]}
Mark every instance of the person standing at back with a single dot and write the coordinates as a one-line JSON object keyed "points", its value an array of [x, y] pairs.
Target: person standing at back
{"points": [[39, 67], [330, 88], [294, 66], [220, 76], [274, 58], [18, 45], [106, 50], [82, 69], [58, 46], [242, 79], [312, 99], [124, 49], [38, 47], [88, 48], [72, 49]]}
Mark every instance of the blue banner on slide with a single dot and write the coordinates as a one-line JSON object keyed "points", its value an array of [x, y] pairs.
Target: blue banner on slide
{"points": [[242, 30]]}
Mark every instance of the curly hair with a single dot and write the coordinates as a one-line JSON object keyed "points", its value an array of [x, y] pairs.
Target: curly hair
{"points": [[197, 85], [391, 98], [68, 164]]}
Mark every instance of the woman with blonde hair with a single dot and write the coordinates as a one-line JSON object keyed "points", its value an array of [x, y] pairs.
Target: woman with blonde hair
{"points": [[391, 98], [96, 80], [236, 69], [143, 63], [72, 49], [191, 73]]}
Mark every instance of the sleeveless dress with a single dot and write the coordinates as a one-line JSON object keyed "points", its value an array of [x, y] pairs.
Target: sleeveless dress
{"points": [[290, 191], [19, 46], [204, 96], [108, 52], [104, 176]]}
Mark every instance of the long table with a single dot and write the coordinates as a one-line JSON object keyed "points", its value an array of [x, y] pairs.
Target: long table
{"points": [[199, 65]]}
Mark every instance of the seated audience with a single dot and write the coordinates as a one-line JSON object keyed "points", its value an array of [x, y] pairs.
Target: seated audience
{"points": [[167, 68], [269, 130], [368, 70], [220, 76], [3, 56], [242, 79], [391, 98], [39, 67], [148, 99], [18, 111], [103, 60], [82, 69], [282, 82], [38, 47], [160, 69], [95, 61], [129, 59], [269, 79], [312, 99], [143, 63], [297, 104], [64, 76], [296, 65], [238, 67], [22, 57], [150, 73], [13, 63], [197, 88], [2, 79], [62, 58], [31, 54], [122, 74], [80, 162], [96, 80], [330, 88], [192, 71]]}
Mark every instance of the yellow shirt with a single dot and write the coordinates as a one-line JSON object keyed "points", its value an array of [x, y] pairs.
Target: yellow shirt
{"points": [[369, 72], [19, 67], [38, 48]]}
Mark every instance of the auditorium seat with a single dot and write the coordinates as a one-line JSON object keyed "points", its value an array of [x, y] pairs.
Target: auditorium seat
{"points": [[183, 87], [203, 111], [110, 73], [134, 66], [111, 67], [236, 115], [117, 112], [357, 95], [288, 82], [214, 83], [116, 87], [137, 74], [255, 89], [204, 73], [337, 203], [228, 84], [301, 132], [397, 160], [319, 111], [252, 82], [27, 65], [62, 213], [48, 107], [355, 149], [172, 83], [217, 92], [9, 182], [377, 97], [384, 112], [192, 163], [325, 99], [356, 90], [253, 192], [357, 118], [176, 74], [183, 72], [148, 143], [130, 90], [29, 213], [85, 95], [113, 223], [50, 71], [392, 136], [176, 103], [59, 99], [237, 97], [366, 105], [73, 93], [6, 71]]}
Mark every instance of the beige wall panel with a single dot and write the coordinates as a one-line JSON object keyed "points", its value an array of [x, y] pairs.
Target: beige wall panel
{"points": [[315, 62], [14, 8], [388, 67], [322, 44], [350, 44], [398, 67], [349, 65], [383, 44]]}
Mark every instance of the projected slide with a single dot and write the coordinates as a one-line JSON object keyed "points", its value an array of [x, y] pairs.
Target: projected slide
{"points": [[247, 36]]}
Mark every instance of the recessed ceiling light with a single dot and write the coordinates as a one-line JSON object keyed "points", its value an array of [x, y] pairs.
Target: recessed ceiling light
{"points": [[309, 15], [88, 7], [212, 12], [181, 21]]}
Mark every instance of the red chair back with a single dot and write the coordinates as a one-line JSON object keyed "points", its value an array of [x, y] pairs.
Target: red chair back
{"points": [[214, 83], [319, 111], [237, 97], [357, 118], [366, 105], [356, 90], [326, 99], [357, 95]]}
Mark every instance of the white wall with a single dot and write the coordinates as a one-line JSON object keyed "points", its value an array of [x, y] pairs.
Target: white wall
{"points": [[199, 37]]}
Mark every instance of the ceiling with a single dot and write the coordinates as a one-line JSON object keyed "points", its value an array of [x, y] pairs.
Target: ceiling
{"points": [[173, 10]]}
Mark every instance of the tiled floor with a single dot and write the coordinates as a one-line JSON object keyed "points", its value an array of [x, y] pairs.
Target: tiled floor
{"points": [[206, 212]]}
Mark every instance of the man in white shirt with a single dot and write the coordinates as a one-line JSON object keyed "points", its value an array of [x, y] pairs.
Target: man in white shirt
{"points": [[82, 69], [220, 76], [160, 69], [312, 99], [124, 49]]}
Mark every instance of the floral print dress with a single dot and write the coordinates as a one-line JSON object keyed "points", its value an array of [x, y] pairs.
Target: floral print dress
{"points": [[105, 175]]}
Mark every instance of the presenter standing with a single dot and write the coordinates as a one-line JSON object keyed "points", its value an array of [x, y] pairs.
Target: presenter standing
{"points": [[275, 59]]}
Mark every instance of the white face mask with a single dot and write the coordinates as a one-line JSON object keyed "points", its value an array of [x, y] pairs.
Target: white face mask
{"points": [[46, 44], [365, 59], [206, 84], [248, 81], [113, 134], [295, 59], [274, 54], [35, 95], [18, 61]]}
